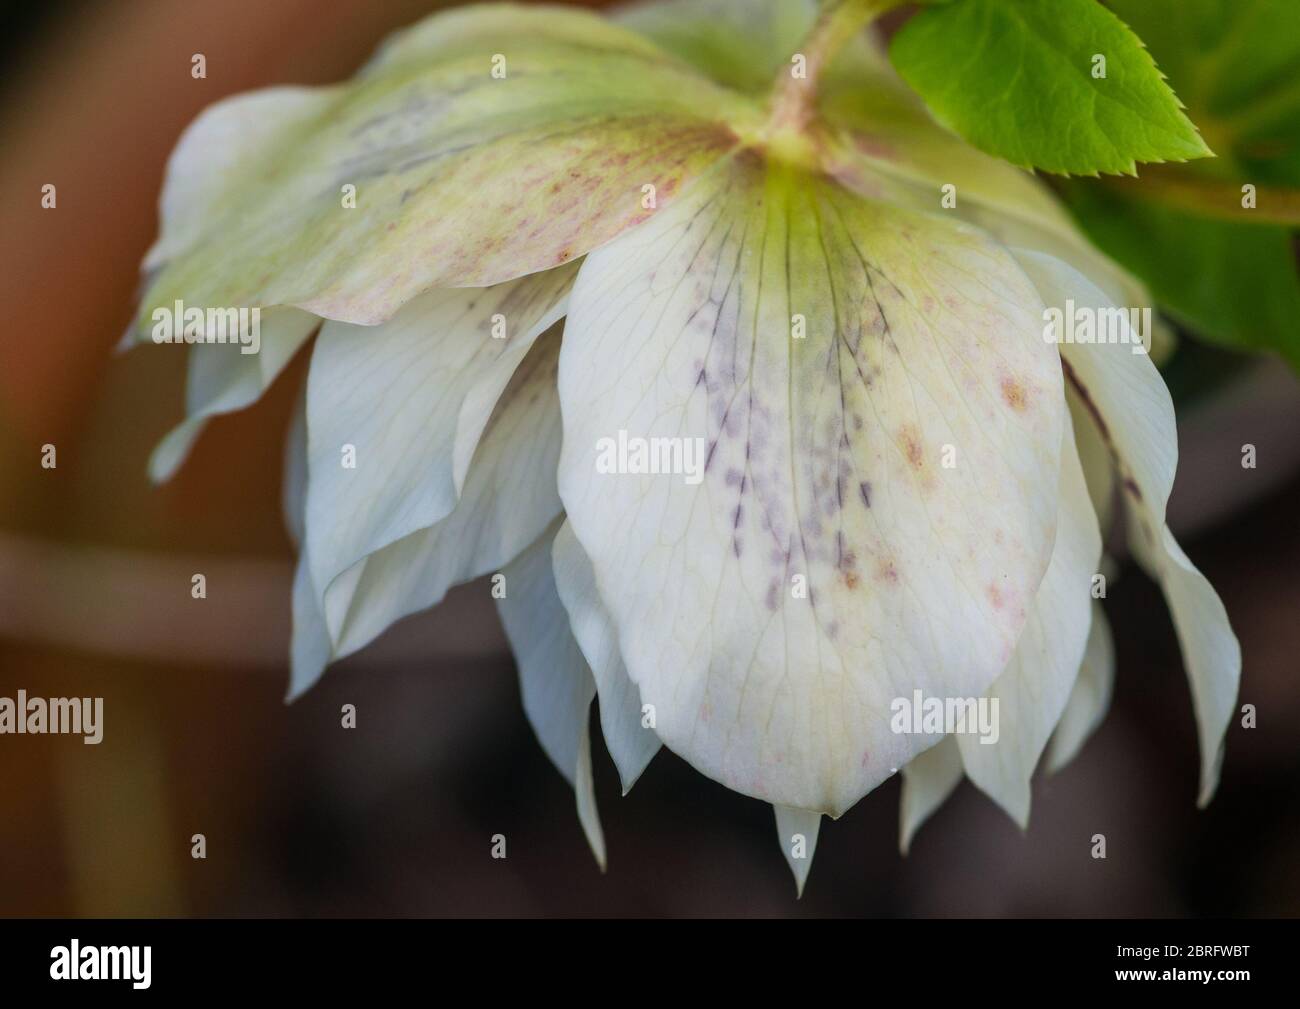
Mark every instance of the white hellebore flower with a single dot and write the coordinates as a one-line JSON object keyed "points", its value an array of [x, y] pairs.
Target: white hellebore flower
{"points": [[551, 256]]}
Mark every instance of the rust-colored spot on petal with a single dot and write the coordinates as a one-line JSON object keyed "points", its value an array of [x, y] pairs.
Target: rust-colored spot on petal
{"points": [[911, 442], [1014, 394]]}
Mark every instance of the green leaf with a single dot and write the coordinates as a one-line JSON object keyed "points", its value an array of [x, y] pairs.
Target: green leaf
{"points": [[1237, 66], [1015, 78], [1235, 283], [1228, 273]]}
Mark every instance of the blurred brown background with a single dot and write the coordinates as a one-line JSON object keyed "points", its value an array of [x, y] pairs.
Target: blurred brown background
{"points": [[395, 817]]}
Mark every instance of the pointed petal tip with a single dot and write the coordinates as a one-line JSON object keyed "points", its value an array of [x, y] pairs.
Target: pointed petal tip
{"points": [[596, 842], [589, 817], [629, 776], [126, 343], [908, 825], [1015, 806], [927, 780], [796, 831], [300, 682], [295, 692], [1210, 782], [160, 468], [168, 455], [1018, 810]]}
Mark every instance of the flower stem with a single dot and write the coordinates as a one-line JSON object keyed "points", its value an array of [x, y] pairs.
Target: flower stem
{"points": [[1175, 187], [794, 98]]}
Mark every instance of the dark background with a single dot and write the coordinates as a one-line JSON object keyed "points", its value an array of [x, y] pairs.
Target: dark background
{"points": [[395, 817]]}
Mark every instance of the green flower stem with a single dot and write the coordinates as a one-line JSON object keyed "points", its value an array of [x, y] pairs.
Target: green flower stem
{"points": [[794, 98]]}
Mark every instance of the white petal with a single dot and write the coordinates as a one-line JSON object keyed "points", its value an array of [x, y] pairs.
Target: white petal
{"points": [[403, 395], [509, 499], [1210, 649], [216, 152], [469, 27], [554, 679], [630, 742], [213, 157], [796, 832], [309, 650], [1091, 695], [1135, 414], [1032, 691], [464, 171], [928, 779], [826, 461], [222, 379]]}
